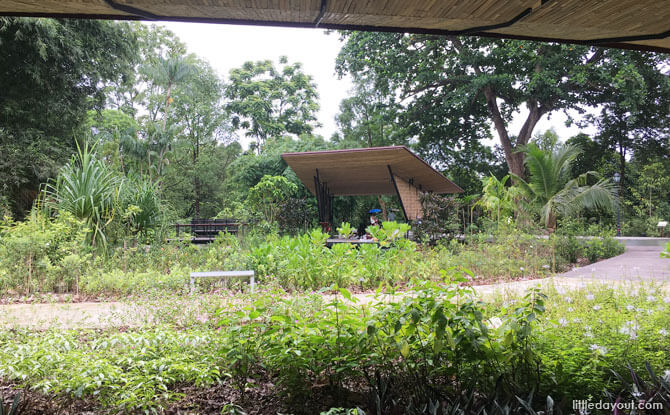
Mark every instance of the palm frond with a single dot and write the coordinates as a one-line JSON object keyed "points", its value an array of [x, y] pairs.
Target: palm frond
{"points": [[574, 198]]}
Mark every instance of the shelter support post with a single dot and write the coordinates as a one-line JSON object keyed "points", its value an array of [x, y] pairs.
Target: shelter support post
{"points": [[395, 186], [324, 201]]}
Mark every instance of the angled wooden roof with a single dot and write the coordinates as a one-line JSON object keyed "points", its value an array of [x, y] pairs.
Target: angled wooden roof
{"points": [[365, 171], [640, 24]]}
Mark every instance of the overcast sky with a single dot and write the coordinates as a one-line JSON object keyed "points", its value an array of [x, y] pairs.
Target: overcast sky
{"points": [[229, 46]]}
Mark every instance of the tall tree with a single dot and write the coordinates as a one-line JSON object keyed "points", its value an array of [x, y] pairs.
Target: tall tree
{"points": [[455, 88], [634, 110], [198, 108], [368, 119], [268, 102], [52, 72]]}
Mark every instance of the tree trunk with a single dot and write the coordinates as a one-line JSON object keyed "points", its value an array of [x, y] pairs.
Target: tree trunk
{"points": [[196, 179], [514, 158]]}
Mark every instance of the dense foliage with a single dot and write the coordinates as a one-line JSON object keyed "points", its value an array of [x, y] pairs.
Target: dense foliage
{"points": [[43, 255], [51, 74], [438, 348]]}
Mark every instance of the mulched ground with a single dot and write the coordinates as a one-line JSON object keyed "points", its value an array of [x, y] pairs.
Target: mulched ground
{"points": [[35, 403], [265, 398]]}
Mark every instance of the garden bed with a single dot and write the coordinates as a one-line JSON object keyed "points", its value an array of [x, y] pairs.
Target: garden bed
{"points": [[301, 355]]}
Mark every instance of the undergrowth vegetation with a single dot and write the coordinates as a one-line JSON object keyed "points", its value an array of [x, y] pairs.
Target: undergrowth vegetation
{"points": [[50, 255], [436, 348]]}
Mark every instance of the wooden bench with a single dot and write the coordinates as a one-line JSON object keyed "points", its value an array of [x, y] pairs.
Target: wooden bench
{"points": [[224, 274]]}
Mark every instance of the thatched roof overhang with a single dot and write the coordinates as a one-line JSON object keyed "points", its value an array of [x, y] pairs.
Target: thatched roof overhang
{"points": [[367, 171], [636, 24]]}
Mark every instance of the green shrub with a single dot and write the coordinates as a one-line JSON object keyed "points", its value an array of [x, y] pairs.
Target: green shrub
{"points": [[602, 248], [501, 256], [436, 347], [40, 254], [131, 371], [425, 345], [567, 248], [611, 247]]}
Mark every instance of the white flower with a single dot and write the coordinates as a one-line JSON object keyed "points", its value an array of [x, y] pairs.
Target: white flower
{"points": [[663, 332], [666, 300], [630, 307], [596, 307], [576, 320], [560, 290], [651, 298], [590, 297], [545, 266], [588, 335], [630, 329], [570, 309], [598, 349], [563, 322], [568, 299], [495, 322], [521, 268]]}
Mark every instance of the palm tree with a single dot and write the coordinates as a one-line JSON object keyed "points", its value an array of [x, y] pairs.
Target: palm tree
{"points": [[169, 72], [552, 188]]}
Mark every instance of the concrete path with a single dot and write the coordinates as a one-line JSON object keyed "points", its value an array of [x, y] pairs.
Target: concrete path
{"points": [[64, 315], [637, 263]]}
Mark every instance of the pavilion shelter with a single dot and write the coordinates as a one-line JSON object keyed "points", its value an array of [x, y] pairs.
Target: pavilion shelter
{"points": [[391, 170]]}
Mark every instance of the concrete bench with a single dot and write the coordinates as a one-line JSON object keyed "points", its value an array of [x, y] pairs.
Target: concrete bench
{"points": [[224, 274]]}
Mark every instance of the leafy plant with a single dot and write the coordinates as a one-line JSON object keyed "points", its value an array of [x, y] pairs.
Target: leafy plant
{"points": [[496, 199], [40, 254], [266, 196], [655, 390], [345, 230], [12, 408], [88, 190], [440, 218], [552, 189], [567, 247]]}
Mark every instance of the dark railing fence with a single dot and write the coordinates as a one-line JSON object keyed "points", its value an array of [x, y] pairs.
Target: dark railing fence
{"points": [[209, 228]]}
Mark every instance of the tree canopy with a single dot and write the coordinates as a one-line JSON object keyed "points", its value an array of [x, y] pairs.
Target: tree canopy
{"points": [[52, 73], [453, 89], [267, 102]]}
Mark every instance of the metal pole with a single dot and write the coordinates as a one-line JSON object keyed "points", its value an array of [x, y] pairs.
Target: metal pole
{"points": [[618, 217]]}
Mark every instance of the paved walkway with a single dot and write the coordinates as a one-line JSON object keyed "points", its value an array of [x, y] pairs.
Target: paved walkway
{"points": [[637, 265]]}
